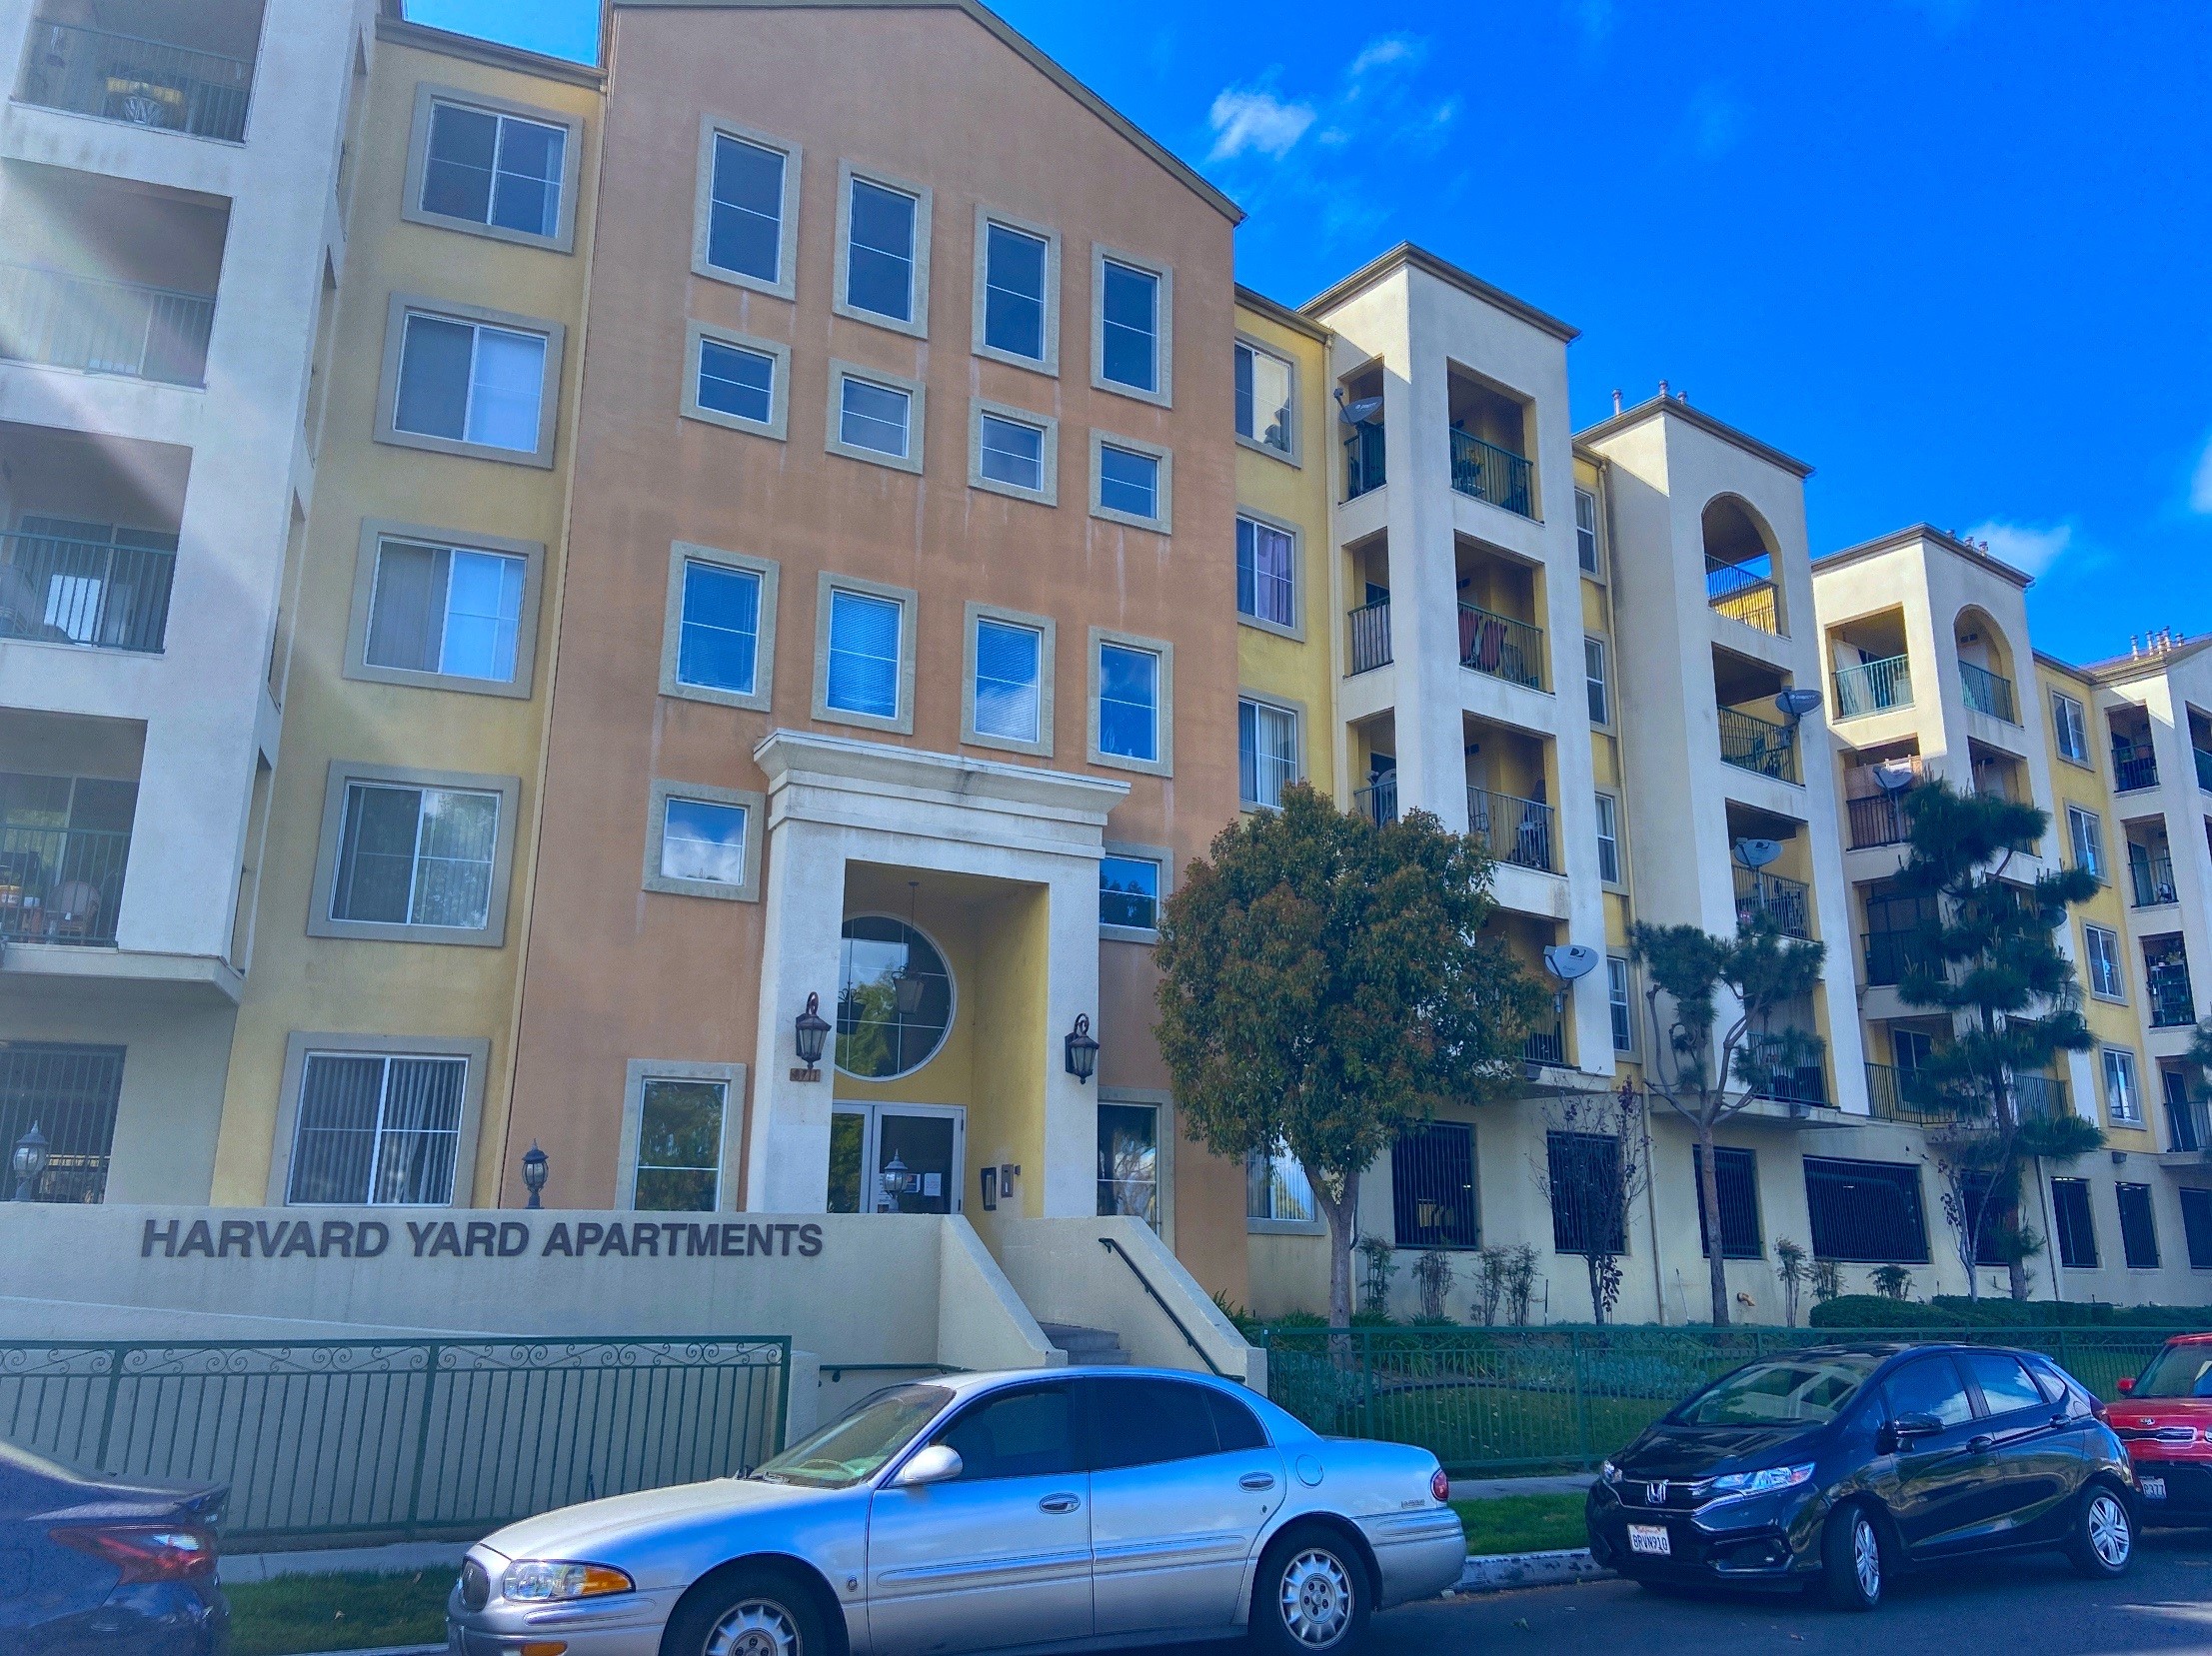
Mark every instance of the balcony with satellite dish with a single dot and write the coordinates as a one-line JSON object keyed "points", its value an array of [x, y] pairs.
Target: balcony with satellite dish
{"points": [[1761, 717], [1772, 864], [1359, 432]]}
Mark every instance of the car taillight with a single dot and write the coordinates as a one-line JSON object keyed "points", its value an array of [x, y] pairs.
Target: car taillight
{"points": [[145, 1552], [1440, 1486]]}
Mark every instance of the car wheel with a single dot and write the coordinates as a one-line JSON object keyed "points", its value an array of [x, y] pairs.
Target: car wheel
{"points": [[2103, 1542], [1851, 1560], [1311, 1595], [748, 1612]]}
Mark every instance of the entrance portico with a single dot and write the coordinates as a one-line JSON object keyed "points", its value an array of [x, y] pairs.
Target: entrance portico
{"points": [[852, 822]]}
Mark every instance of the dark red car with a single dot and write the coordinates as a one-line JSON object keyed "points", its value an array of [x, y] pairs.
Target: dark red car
{"points": [[2164, 1416]]}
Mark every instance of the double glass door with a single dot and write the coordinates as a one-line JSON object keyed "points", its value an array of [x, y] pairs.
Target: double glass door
{"points": [[897, 1159]]}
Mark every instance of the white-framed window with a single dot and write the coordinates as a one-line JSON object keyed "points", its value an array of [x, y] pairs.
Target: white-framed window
{"points": [[442, 612], [469, 382], [1131, 483], [703, 841], [376, 1129], [1013, 451], [864, 654], [682, 1123], [1608, 838], [484, 164], [1266, 400], [882, 251], [1008, 689], [1130, 698], [2087, 836], [1598, 681], [1129, 326], [1620, 1003], [1266, 572], [875, 416], [2101, 947], [1585, 530], [1130, 889], [744, 228], [2069, 728], [737, 381], [1277, 1191], [1018, 294], [718, 632], [416, 856], [2123, 1099], [1266, 752]]}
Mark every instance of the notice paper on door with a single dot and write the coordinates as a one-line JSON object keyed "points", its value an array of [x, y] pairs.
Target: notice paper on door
{"points": [[932, 1185]]}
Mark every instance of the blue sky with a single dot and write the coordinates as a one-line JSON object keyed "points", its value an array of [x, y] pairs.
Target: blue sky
{"points": [[1956, 254]]}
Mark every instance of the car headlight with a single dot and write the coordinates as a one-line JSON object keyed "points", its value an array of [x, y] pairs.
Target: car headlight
{"points": [[1609, 1473], [1763, 1482], [546, 1580]]}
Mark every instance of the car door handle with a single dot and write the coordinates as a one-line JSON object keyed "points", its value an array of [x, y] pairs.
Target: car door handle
{"points": [[1982, 1444], [1058, 1503], [1256, 1480]]}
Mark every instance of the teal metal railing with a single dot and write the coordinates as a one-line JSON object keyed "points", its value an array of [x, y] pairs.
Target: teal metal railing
{"points": [[1873, 687], [1750, 743], [147, 82], [1500, 646], [87, 321], [91, 592], [1987, 692], [1489, 473]]}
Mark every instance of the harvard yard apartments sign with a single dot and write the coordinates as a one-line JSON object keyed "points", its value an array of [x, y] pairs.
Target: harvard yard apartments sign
{"points": [[187, 1239]]}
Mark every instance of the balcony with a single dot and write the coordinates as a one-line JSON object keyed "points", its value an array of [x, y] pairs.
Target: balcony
{"points": [[58, 885], [1363, 460], [70, 1093], [2166, 971], [1370, 636], [1377, 802], [1743, 592], [1889, 952], [2150, 876], [142, 82], [1516, 830], [2204, 768], [2188, 1125], [110, 594], [2134, 765], [1488, 473], [1787, 902], [1987, 692], [1873, 687], [1877, 820], [1805, 1084], [1545, 1047], [1500, 646], [1758, 744], [1889, 1097], [131, 329]]}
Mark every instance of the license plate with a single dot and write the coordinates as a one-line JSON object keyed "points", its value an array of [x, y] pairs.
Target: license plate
{"points": [[2154, 1489], [1652, 1539]]}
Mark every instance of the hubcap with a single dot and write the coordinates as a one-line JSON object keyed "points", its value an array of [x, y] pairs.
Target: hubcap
{"points": [[754, 1627], [1316, 1599], [1866, 1558], [2108, 1531]]}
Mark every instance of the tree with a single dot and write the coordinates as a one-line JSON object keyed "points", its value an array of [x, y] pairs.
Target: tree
{"points": [[1326, 984], [1790, 1268], [1597, 1166], [1708, 1072], [1984, 951]]}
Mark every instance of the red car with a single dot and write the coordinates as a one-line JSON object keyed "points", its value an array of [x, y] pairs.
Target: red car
{"points": [[2164, 1416]]}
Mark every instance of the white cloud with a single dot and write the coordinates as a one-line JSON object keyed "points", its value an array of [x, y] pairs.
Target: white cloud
{"points": [[2200, 485], [1385, 50], [2028, 548], [1255, 121]]}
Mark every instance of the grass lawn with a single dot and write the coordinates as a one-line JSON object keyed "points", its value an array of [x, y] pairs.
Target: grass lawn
{"points": [[1523, 1523], [338, 1612]]}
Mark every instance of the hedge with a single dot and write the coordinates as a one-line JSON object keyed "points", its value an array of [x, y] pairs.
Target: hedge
{"points": [[1957, 1311]]}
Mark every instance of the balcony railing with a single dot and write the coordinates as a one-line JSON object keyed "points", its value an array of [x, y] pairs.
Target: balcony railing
{"points": [[1363, 460], [1785, 901], [2151, 879], [1879, 819], [1489, 473], [1801, 1085], [1501, 646], [1887, 954], [1370, 636], [1752, 744], [1987, 692], [103, 327], [148, 83], [69, 1092], [1548, 1046], [2173, 1000], [1377, 802], [1741, 592], [60, 885], [2134, 765], [1517, 830], [2204, 768], [2189, 1126], [91, 592], [1873, 687], [1888, 1089]]}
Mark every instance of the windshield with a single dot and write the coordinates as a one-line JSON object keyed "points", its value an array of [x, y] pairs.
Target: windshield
{"points": [[2177, 1371], [1786, 1392], [859, 1441]]}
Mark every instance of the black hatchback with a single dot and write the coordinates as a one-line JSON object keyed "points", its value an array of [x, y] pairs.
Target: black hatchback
{"points": [[1838, 1466]]}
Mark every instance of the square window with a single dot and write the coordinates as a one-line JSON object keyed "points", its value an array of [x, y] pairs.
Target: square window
{"points": [[376, 1129], [744, 210], [1129, 892], [880, 250], [719, 631], [875, 416], [448, 610], [1276, 1190], [494, 169], [1267, 752], [417, 856], [864, 655], [469, 382], [1128, 310], [1266, 574], [1129, 703], [1608, 839], [1016, 299], [1128, 482], [1593, 672], [2103, 950], [1585, 530], [1264, 416], [1011, 452], [1620, 1003], [679, 1131], [1009, 681], [735, 381], [2122, 1101], [703, 840]]}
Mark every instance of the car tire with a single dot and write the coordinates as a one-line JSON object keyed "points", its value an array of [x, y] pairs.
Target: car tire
{"points": [[2102, 1544], [747, 1610], [1854, 1562], [1311, 1595]]}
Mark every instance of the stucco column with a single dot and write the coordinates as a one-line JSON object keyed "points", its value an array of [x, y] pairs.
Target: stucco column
{"points": [[1069, 1188], [788, 1132]]}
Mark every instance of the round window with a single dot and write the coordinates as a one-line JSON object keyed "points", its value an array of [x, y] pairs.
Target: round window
{"points": [[894, 998]]}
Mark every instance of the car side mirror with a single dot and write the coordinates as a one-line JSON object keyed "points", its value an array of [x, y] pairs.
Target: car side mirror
{"points": [[1908, 1426], [2127, 1385], [939, 1463]]}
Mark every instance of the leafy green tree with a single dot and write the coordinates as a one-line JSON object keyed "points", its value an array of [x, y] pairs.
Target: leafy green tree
{"points": [[1721, 1047], [1985, 952], [1326, 984]]}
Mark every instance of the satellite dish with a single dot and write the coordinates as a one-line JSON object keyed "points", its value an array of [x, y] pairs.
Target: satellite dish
{"points": [[1894, 776], [1757, 853], [1567, 962], [1364, 412], [1795, 703]]}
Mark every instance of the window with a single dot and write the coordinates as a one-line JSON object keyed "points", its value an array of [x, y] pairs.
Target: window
{"points": [[1736, 1177], [737, 381], [471, 383], [1009, 682], [1585, 530], [875, 420], [2087, 836], [1620, 1003], [417, 856], [1587, 1215], [2067, 724], [1432, 1187], [2138, 1231], [882, 273], [679, 1130], [1277, 1191], [703, 841], [376, 1129], [1594, 675], [894, 998], [1865, 1212], [1266, 400], [1911, 1048], [1129, 483], [1016, 314], [866, 663], [1128, 1161], [1129, 892], [2123, 1104], [70, 1092], [1931, 1386], [747, 210], [445, 611], [1267, 752], [2196, 1225], [1608, 839], [1013, 451], [2103, 949], [2004, 1385], [1266, 574], [1128, 702], [1029, 1433], [489, 168], [1144, 1422], [2077, 1234], [1127, 345], [721, 625]]}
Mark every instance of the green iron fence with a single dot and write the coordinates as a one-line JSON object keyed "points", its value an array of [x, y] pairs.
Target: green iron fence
{"points": [[392, 1441], [1486, 1400]]}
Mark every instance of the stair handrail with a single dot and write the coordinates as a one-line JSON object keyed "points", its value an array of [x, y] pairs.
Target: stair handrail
{"points": [[1122, 1253]]}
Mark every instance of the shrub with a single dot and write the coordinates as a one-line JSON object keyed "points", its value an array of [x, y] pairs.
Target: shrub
{"points": [[1957, 1311]]}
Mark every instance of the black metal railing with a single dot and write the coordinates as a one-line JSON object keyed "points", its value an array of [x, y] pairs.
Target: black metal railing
{"points": [[1500, 646], [2173, 1000], [1987, 692], [1363, 460], [2189, 1124], [147, 82], [69, 1092], [1785, 901], [1879, 819], [1489, 473], [1750, 743], [1887, 953], [1873, 687], [60, 885], [1517, 830], [1547, 1046], [2134, 765], [1891, 1096], [2151, 879], [1740, 591], [1377, 802], [88, 322], [91, 592], [1804, 1083], [1370, 636]]}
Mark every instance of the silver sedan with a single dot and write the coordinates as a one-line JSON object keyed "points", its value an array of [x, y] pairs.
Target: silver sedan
{"points": [[1027, 1511]]}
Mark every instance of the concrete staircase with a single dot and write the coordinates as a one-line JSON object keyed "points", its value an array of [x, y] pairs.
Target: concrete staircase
{"points": [[1086, 1347]]}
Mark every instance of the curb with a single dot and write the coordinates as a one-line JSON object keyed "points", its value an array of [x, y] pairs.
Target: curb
{"points": [[1502, 1571], [385, 1650]]}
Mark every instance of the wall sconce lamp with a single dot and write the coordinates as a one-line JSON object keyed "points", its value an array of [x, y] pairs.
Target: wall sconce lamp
{"points": [[30, 1160], [1083, 1051], [536, 1165], [808, 1030]]}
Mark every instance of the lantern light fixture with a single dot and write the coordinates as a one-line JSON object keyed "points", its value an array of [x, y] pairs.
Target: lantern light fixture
{"points": [[1082, 1050]]}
